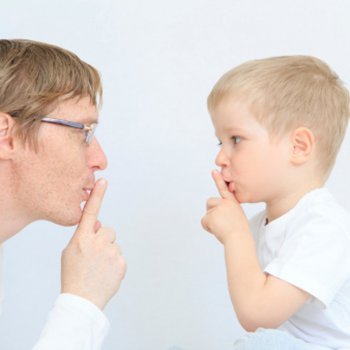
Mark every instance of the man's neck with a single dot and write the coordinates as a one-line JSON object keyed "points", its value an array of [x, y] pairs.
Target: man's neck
{"points": [[11, 222], [12, 217]]}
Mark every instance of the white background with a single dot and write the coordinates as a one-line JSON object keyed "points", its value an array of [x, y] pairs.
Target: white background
{"points": [[159, 60]]}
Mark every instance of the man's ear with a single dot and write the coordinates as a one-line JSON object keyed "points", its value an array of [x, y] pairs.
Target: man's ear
{"points": [[7, 125], [303, 144]]}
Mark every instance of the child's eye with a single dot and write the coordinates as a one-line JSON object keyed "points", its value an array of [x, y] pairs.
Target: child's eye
{"points": [[219, 143], [236, 139]]}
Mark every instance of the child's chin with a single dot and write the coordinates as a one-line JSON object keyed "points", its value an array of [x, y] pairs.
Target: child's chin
{"points": [[243, 199]]}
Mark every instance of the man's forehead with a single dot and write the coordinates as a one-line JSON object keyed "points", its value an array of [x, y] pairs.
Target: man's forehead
{"points": [[80, 110]]}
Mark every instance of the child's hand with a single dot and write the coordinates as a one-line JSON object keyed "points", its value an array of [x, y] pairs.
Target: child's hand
{"points": [[225, 217]]}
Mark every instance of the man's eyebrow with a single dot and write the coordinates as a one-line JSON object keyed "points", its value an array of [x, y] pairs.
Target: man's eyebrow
{"points": [[92, 120]]}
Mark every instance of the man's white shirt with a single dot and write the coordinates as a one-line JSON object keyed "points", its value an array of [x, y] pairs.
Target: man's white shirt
{"points": [[74, 323]]}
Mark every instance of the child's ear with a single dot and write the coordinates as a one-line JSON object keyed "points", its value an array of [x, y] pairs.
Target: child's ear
{"points": [[303, 143], [7, 125]]}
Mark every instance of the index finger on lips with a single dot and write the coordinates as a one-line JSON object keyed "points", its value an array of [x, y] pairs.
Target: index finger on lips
{"points": [[92, 207], [221, 185]]}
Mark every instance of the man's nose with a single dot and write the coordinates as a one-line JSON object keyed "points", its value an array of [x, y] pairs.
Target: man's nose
{"points": [[96, 157]]}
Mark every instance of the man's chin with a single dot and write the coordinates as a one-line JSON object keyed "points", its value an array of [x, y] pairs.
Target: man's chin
{"points": [[65, 223], [66, 220]]}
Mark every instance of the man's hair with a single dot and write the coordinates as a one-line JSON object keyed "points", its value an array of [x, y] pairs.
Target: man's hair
{"points": [[291, 91], [35, 76]]}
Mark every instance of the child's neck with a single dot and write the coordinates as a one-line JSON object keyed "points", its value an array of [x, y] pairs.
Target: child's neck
{"points": [[281, 205]]}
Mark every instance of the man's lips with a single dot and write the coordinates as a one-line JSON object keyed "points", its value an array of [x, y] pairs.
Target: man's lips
{"points": [[87, 191]]}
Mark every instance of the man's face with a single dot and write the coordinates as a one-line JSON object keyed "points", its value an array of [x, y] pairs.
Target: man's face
{"points": [[251, 163], [51, 184]]}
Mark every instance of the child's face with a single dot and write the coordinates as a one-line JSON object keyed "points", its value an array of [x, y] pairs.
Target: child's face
{"points": [[253, 165]]}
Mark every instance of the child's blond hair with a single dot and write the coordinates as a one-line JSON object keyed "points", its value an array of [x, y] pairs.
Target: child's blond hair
{"points": [[291, 91]]}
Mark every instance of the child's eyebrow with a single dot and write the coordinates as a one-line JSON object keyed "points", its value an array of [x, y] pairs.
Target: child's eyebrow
{"points": [[234, 129]]}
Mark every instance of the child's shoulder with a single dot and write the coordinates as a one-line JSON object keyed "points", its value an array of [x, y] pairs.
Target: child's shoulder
{"points": [[319, 214], [321, 205]]}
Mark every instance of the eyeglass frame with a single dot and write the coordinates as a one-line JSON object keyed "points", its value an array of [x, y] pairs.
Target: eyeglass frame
{"points": [[88, 128]]}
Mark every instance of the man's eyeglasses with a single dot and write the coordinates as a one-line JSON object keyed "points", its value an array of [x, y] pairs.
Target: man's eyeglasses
{"points": [[89, 129]]}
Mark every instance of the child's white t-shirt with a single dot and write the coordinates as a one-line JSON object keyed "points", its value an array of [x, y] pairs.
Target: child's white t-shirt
{"points": [[309, 247]]}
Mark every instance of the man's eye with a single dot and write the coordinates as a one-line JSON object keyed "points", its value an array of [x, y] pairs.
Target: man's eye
{"points": [[236, 139]]}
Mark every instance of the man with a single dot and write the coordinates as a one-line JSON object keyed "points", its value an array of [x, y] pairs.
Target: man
{"points": [[48, 157]]}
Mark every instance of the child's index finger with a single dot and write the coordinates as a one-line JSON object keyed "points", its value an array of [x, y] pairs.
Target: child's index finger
{"points": [[92, 207], [221, 185]]}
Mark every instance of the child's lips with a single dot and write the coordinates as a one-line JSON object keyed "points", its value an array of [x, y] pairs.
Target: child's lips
{"points": [[231, 186]]}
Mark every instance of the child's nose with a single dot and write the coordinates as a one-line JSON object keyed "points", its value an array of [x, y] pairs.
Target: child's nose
{"points": [[222, 158]]}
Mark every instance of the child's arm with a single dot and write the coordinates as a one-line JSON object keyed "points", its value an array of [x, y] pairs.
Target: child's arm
{"points": [[260, 300]]}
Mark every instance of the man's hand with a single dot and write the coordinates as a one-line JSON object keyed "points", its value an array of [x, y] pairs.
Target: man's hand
{"points": [[224, 217], [92, 264]]}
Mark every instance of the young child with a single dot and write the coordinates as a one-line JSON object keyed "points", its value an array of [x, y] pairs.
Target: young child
{"points": [[280, 122]]}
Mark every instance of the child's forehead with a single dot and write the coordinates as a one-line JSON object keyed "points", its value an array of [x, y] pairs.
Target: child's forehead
{"points": [[233, 112], [232, 116]]}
